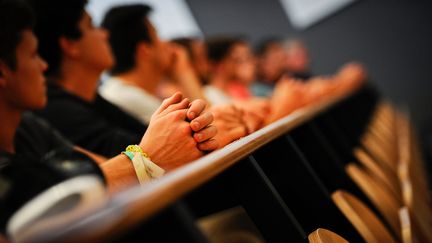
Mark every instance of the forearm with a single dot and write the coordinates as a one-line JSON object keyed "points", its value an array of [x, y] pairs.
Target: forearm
{"points": [[280, 110], [99, 159], [189, 84], [119, 173]]}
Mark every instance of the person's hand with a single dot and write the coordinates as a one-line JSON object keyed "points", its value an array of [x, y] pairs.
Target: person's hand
{"points": [[351, 76], [255, 111], [168, 139], [287, 97], [229, 122], [318, 88], [352, 71], [204, 131], [180, 61]]}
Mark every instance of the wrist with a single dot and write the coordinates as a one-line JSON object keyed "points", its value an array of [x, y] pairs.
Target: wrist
{"points": [[133, 149], [145, 169], [147, 148]]}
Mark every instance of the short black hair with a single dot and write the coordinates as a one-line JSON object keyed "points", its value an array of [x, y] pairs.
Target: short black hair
{"points": [[55, 19], [127, 27], [15, 17], [219, 47]]}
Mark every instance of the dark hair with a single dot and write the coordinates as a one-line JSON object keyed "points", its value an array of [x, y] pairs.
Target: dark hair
{"points": [[219, 47], [127, 27], [187, 43], [15, 17], [55, 19], [265, 44]]}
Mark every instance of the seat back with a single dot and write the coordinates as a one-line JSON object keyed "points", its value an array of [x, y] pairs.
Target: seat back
{"points": [[325, 236], [362, 218], [382, 199]]}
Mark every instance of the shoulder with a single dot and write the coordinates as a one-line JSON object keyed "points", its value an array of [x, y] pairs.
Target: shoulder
{"points": [[261, 89], [35, 137], [61, 104]]}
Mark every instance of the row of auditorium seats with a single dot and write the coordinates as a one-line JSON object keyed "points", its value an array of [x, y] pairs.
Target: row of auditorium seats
{"points": [[346, 170]]}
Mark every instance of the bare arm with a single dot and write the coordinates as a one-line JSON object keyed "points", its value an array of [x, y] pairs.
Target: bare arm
{"points": [[287, 97], [119, 173], [99, 159], [184, 74]]}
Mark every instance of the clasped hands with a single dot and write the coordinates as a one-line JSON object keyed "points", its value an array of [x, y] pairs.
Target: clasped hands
{"points": [[179, 132]]}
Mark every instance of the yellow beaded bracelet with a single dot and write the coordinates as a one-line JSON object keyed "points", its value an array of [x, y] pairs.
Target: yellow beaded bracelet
{"points": [[136, 149]]}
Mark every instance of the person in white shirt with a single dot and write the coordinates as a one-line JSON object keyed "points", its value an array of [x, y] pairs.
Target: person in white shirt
{"points": [[123, 94], [143, 60]]}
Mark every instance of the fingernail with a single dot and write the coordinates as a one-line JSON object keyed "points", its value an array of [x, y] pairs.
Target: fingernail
{"points": [[192, 115], [195, 125], [198, 136]]}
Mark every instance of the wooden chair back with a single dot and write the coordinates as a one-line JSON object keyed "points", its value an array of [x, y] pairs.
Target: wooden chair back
{"points": [[325, 236], [362, 218], [382, 199]]}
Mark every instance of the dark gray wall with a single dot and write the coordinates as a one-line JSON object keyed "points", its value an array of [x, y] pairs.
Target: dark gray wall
{"points": [[392, 38]]}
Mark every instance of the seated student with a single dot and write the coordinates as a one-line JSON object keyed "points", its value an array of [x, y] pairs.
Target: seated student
{"points": [[232, 69], [143, 60], [270, 68], [297, 59], [277, 58], [77, 53], [197, 51]]}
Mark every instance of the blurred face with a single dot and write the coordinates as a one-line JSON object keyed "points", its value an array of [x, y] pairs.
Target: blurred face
{"points": [[240, 64], [201, 63], [297, 59], [161, 55], [24, 88], [271, 65], [93, 46]]}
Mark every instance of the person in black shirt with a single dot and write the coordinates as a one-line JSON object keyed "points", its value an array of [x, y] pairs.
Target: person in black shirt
{"points": [[20, 181], [35, 139], [82, 123], [77, 54], [30, 152]]}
